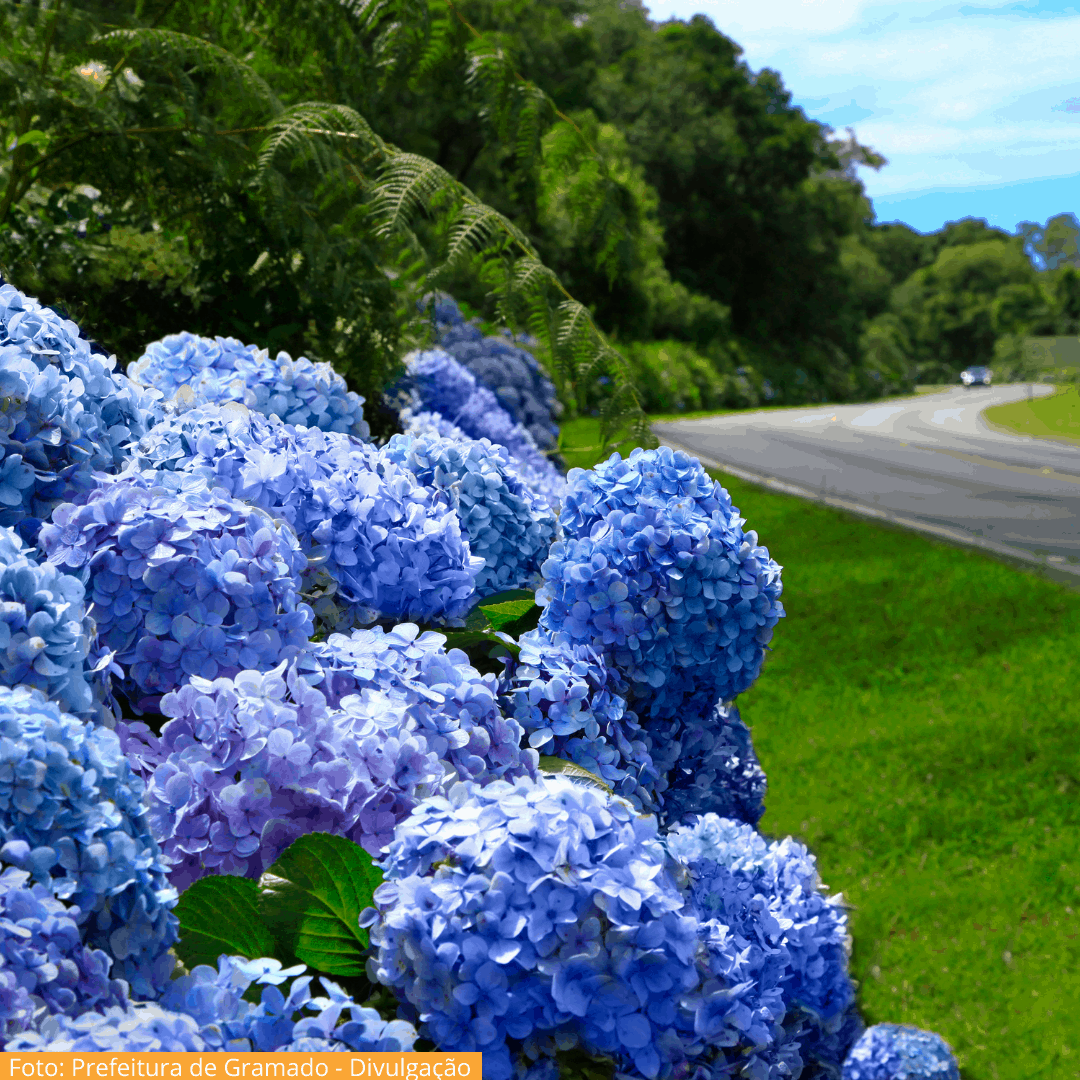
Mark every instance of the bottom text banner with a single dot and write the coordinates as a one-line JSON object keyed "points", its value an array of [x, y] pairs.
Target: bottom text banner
{"points": [[218, 1066]]}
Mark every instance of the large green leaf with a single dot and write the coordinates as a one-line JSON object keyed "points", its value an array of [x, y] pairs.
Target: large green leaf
{"points": [[557, 765], [221, 915], [311, 898], [504, 612]]}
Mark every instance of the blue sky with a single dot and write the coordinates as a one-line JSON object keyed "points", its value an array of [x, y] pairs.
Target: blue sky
{"points": [[976, 106]]}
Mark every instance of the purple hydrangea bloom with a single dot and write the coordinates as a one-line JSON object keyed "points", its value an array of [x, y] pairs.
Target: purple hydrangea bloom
{"points": [[656, 573], [244, 766], [72, 815], [437, 383], [66, 411], [447, 701], [508, 525], [223, 369], [378, 542], [519, 920], [42, 954], [900, 1052], [501, 364], [185, 582], [45, 632], [573, 706], [776, 947]]}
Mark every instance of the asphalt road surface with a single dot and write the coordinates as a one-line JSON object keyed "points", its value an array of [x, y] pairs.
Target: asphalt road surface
{"points": [[930, 463]]}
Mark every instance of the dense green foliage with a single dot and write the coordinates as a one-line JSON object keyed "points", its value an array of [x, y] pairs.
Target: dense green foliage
{"points": [[298, 175]]}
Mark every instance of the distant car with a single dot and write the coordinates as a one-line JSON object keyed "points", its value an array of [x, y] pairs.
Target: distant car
{"points": [[975, 376]]}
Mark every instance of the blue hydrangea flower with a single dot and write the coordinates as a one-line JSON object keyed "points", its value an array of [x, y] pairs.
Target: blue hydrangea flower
{"points": [[437, 383], [42, 954], [573, 706], [448, 702], [707, 765], [45, 632], [656, 573], [185, 582], [206, 1010], [521, 919], [138, 1027], [244, 766], [223, 369], [378, 542], [777, 947], [900, 1052], [509, 526], [214, 999], [72, 816], [64, 411], [501, 364]]}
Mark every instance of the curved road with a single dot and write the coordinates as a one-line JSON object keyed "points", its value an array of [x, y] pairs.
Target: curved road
{"points": [[930, 463]]}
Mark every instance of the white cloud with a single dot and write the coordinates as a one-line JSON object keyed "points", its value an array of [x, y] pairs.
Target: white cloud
{"points": [[750, 16]]}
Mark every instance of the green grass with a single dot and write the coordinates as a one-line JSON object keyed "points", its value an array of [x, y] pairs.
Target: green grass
{"points": [[1054, 417], [917, 720]]}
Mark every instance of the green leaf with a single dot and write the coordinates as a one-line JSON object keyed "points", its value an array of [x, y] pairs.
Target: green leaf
{"points": [[471, 641], [311, 898], [505, 609], [572, 769], [30, 138], [221, 915]]}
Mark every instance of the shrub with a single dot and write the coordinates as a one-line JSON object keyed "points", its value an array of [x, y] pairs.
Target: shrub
{"points": [[222, 369]]}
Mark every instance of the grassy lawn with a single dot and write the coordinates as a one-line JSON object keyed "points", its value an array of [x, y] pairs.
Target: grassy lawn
{"points": [[917, 721], [1054, 417]]}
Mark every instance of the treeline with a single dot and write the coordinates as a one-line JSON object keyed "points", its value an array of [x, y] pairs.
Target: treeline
{"points": [[204, 165]]}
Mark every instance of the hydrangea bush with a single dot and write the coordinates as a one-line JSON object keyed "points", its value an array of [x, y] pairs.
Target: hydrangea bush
{"points": [[73, 816], [378, 543], [223, 369], [263, 584], [184, 582], [508, 525], [64, 411], [500, 363]]}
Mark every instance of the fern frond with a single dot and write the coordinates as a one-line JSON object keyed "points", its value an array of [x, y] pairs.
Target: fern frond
{"points": [[306, 129], [179, 48]]}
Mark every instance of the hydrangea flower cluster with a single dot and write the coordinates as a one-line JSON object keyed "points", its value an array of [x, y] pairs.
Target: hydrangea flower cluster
{"points": [[186, 582], [549, 923], [223, 369], [244, 766], [772, 937], [504, 367], [42, 954], [453, 707], [707, 764], [900, 1052], [508, 526], [45, 633], [383, 544], [64, 411], [206, 1010], [572, 706], [656, 572], [439, 384], [72, 816]]}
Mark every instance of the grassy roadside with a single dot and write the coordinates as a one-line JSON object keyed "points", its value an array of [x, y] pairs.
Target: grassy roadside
{"points": [[917, 724], [1055, 417]]}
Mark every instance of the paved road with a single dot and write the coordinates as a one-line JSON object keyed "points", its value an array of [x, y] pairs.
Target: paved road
{"points": [[928, 462]]}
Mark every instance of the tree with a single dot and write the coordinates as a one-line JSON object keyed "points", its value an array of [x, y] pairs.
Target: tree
{"points": [[953, 310]]}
